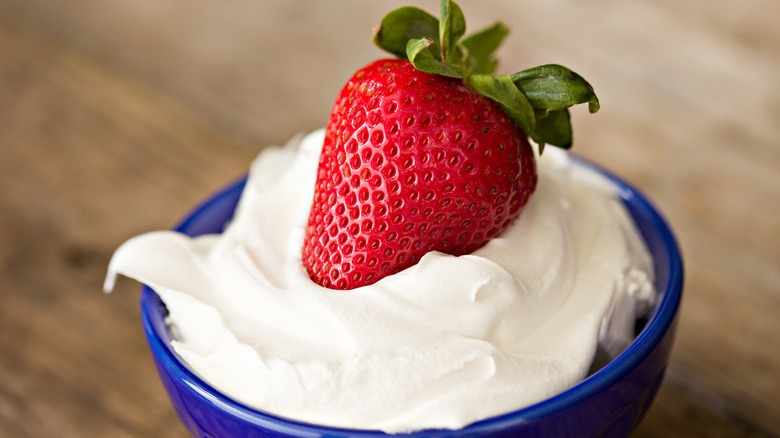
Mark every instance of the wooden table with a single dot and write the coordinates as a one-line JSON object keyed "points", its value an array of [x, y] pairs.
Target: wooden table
{"points": [[116, 117]]}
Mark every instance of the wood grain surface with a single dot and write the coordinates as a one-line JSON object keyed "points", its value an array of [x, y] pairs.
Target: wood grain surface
{"points": [[117, 117]]}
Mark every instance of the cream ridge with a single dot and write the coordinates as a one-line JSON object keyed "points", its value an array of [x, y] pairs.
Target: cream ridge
{"points": [[445, 343]]}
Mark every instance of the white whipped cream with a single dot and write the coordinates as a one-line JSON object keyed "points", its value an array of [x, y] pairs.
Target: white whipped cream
{"points": [[445, 343]]}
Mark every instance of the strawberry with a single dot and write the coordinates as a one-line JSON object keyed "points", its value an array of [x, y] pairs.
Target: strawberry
{"points": [[429, 153], [411, 163]]}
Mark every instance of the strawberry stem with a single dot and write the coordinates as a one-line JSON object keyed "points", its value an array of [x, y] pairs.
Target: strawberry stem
{"points": [[536, 99]]}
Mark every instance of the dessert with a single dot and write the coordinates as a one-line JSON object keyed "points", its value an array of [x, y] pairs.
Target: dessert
{"points": [[440, 343]]}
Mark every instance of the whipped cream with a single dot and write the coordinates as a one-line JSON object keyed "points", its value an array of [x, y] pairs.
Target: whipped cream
{"points": [[442, 344]]}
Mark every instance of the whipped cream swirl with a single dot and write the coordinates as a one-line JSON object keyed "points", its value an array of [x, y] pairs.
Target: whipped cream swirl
{"points": [[445, 343]]}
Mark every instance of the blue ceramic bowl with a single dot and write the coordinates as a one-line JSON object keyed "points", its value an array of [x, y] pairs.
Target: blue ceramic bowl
{"points": [[609, 403]]}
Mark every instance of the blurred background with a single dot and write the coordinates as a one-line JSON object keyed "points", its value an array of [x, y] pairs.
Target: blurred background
{"points": [[117, 117]]}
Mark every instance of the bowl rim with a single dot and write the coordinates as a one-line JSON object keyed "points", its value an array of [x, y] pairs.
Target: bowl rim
{"points": [[618, 368]]}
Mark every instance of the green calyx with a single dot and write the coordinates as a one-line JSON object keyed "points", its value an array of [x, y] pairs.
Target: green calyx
{"points": [[537, 99]]}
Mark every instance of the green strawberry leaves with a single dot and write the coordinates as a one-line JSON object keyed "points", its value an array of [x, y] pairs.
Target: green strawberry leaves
{"points": [[555, 129], [552, 87], [414, 34], [536, 99], [480, 47], [405, 24], [419, 54]]}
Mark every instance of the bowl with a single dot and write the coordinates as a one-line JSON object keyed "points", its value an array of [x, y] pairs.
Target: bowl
{"points": [[608, 403]]}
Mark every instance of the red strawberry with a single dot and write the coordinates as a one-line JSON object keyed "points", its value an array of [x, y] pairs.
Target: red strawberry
{"points": [[415, 162], [412, 162]]}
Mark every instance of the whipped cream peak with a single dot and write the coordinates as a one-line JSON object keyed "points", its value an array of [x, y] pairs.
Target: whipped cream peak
{"points": [[442, 344]]}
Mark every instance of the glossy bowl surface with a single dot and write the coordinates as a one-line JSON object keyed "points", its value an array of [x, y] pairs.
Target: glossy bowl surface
{"points": [[609, 403]]}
